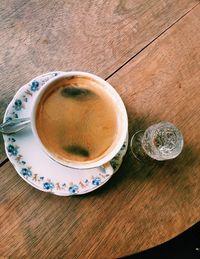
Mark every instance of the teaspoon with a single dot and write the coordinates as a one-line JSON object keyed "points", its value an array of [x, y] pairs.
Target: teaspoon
{"points": [[14, 125]]}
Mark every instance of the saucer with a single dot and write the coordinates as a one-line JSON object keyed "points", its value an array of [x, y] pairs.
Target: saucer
{"points": [[34, 166]]}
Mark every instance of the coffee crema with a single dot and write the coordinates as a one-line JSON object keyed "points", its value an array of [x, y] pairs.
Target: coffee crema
{"points": [[76, 119]]}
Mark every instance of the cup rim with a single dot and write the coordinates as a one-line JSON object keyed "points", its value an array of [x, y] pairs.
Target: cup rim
{"points": [[120, 104]]}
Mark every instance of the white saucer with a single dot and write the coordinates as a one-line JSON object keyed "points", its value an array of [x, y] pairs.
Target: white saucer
{"points": [[34, 166]]}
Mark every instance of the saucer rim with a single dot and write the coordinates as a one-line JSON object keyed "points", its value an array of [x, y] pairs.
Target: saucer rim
{"points": [[18, 92]]}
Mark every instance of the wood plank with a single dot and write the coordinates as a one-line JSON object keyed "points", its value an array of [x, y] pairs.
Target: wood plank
{"points": [[144, 204], [95, 36]]}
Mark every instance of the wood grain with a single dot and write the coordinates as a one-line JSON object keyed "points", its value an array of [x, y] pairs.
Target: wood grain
{"points": [[144, 204], [95, 36]]}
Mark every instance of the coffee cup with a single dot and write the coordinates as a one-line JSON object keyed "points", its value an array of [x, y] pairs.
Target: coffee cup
{"points": [[79, 120]]}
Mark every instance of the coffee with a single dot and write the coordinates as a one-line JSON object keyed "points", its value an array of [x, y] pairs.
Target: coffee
{"points": [[76, 119]]}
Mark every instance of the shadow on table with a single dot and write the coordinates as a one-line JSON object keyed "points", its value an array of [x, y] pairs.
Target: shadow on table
{"points": [[186, 245]]}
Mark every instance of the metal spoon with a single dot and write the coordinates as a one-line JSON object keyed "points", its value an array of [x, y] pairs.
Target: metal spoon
{"points": [[14, 125]]}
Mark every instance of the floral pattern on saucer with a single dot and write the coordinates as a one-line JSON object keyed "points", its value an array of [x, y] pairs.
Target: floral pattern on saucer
{"points": [[46, 183], [35, 167]]}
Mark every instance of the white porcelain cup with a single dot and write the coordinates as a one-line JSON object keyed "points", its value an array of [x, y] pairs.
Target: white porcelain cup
{"points": [[122, 121]]}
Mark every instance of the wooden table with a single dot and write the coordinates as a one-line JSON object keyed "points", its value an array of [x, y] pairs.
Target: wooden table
{"points": [[150, 52]]}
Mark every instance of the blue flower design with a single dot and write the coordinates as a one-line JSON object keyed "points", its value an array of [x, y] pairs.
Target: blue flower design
{"points": [[26, 172], [73, 189], [113, 164], [123, 147], [96, 181], [18, 105], [11, 139], [12, 150], [8, 119], [15, 115], [34, 86], [48, 186]]}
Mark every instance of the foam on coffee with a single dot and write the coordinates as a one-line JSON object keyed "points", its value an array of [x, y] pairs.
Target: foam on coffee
{"points": [[76, 119]]}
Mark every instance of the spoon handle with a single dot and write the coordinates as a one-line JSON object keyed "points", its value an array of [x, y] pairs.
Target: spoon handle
{"points": [[14, 125]]}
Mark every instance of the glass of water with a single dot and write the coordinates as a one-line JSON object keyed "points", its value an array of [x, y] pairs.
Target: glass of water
{"points": [[160, 141]]}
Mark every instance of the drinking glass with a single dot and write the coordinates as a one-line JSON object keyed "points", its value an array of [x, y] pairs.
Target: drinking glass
{"points": [[161, 141]]}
